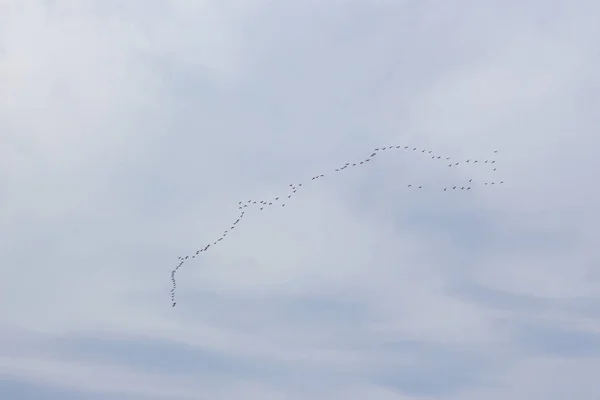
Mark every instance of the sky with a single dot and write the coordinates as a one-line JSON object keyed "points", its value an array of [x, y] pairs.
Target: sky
{"points": [[130, 130]]}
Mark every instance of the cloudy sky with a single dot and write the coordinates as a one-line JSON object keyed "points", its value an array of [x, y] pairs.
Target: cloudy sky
{"points": [[129, 131]]}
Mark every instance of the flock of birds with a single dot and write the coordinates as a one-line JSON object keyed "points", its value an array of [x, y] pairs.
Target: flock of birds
{"points": [[281, 201]]}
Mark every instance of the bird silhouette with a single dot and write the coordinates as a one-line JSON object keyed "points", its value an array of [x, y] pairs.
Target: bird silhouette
{"points": [[263, 204]]}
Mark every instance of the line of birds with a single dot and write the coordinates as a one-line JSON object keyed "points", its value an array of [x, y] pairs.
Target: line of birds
{"points": [[262, 204]]}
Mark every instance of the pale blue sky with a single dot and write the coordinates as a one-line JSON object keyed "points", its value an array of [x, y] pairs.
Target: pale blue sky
{"points": [[129, 130]]}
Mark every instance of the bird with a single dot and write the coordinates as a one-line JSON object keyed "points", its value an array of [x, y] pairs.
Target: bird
{"points": [[263, 203]]}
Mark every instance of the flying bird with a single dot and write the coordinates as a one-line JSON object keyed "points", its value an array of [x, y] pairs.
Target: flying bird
{"points": [[264, 203]]}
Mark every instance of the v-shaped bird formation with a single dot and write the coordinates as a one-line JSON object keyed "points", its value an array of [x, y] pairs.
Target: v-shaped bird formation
{"points": [[281, 201]]}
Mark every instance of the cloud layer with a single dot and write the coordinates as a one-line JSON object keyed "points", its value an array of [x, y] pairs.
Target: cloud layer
{"points": [[129, 131]]}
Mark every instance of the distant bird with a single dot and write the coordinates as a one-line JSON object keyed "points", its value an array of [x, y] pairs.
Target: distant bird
{"points": [[264, 203]]}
